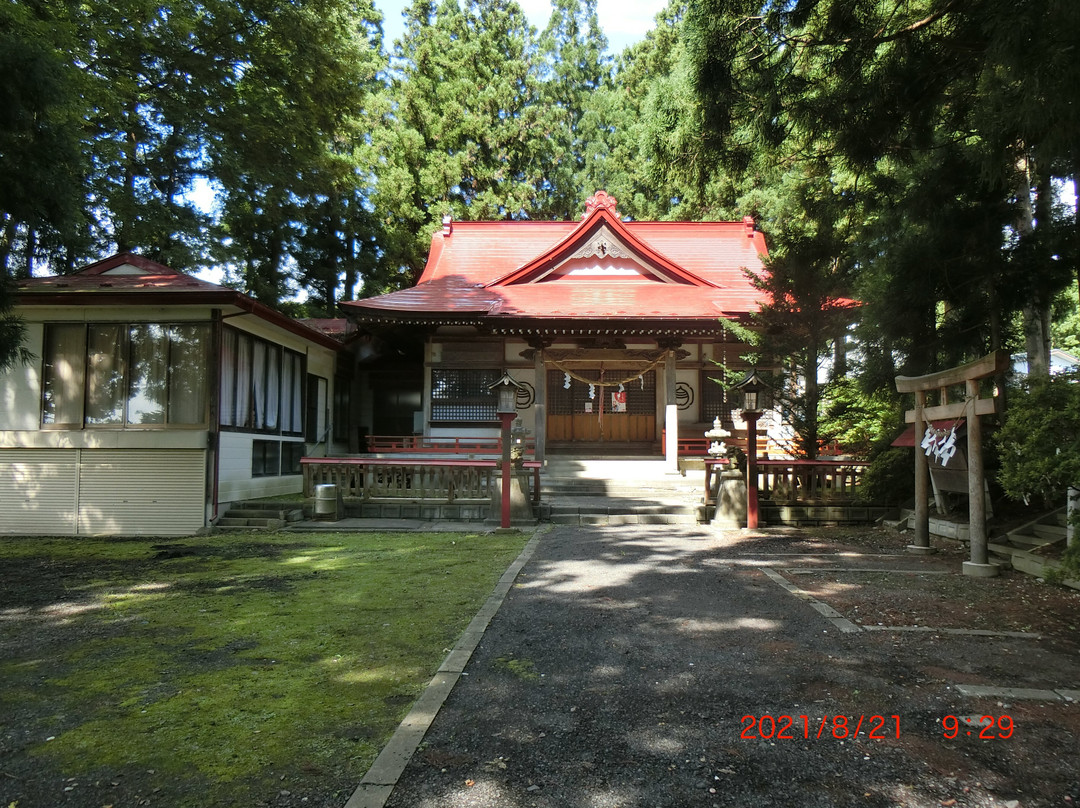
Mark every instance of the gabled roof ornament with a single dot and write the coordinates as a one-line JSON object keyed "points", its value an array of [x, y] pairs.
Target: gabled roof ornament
{"points": [[447, 224], [748, 223], [600, 200]]}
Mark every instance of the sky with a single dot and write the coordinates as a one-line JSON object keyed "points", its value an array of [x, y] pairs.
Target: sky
{"points": [[624, 21]]}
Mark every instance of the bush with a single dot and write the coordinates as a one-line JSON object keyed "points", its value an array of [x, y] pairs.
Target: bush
{"points": [[1039, 443], [890, 478]]}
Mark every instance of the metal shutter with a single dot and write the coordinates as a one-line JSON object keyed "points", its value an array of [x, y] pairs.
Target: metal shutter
{"points": [[37, 491], [146, 492]]}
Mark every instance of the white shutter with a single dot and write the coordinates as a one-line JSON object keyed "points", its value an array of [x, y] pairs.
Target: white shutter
{"points": [[147, 492], [37, 492]]}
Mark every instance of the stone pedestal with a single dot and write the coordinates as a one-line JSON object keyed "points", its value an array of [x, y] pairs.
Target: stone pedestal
{"points": [[731, 500], [981, 570], [521, 510], [918, 549]]}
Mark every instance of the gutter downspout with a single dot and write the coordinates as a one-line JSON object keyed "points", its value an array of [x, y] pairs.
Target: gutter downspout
{"points": [[214, 374]]}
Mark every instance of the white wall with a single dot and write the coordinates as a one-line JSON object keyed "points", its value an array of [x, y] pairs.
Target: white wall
{"points": [[234, 471]]}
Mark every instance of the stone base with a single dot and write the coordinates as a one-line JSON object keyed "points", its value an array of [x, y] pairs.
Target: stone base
{"points": [[731, 500], [981, 570], [918, 549]]}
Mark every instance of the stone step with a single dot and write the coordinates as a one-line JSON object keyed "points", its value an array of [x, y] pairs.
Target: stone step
{"points": [[620, 486], [624, 519], [1053, 532], [615, 507], [1026, 540]]}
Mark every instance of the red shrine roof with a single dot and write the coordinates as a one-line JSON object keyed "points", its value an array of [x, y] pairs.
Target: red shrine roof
{"points": [[598, 268]]}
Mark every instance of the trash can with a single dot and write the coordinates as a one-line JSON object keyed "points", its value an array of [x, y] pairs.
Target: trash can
{"points": [[326, 503]]}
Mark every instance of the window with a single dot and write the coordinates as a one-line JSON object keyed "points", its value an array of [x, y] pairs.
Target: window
{"points": [[261, 385], [124, 375], [463, 395], [271, 458], [716, 402], [342, 421], [265, 458], [291, 452]]}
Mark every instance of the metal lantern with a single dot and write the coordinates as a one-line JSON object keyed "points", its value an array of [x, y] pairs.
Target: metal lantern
{"points": [[506, 389], [752, 387]]}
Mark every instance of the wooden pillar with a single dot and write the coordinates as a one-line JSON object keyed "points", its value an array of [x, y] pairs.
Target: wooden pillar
{"points": [[978, 566], [922, 482], [540, 405], [751, 469], [671, 413]]}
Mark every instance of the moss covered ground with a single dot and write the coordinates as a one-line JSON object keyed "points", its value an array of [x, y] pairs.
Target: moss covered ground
{"points": [[248, 669]]}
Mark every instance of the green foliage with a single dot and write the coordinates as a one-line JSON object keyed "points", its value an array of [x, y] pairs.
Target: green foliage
{"points": [[890, 478], [861, 423], [116, 110], [924, 165], [12, 331], [1039, 443], [1065, 331]]}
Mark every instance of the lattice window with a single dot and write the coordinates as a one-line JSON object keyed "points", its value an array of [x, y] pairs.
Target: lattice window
{"points": [[716, 402], [463, 395]]}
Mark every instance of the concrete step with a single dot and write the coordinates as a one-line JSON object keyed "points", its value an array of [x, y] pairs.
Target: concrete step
{"points": [[254, 513], [247, 523]]}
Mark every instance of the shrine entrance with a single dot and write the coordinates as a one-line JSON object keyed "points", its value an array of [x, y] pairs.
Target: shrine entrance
{"points": [[611, 416]]}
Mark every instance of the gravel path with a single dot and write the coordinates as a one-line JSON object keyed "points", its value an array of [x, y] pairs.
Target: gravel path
{"points": [[627, 664]]}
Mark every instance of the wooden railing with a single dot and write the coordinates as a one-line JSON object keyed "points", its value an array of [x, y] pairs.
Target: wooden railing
{"points": [[420, 444], [832, 481], [799, 481], [445, 480]]}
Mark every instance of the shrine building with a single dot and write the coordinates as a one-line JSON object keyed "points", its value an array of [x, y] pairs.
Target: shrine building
{"points": [[614, 329]]}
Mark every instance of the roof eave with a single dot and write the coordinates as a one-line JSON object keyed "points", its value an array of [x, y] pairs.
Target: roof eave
{"points": [[203, 297]]}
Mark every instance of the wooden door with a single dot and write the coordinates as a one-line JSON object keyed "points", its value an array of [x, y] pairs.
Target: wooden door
{"points": [[583, 413]]}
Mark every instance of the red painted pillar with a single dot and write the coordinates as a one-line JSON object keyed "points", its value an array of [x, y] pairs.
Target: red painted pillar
{"points": [[507, 419], [751, 469]]}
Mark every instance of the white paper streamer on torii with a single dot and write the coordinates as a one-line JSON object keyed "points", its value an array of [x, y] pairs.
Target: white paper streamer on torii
{"points": [[941, 443]]}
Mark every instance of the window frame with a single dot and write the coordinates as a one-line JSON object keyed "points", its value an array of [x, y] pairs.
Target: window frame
{"points": [[79, 388], [251, 405]]}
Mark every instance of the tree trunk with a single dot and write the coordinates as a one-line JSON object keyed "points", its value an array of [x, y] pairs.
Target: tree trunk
{"points": [[812, 399], [1036, 311]]}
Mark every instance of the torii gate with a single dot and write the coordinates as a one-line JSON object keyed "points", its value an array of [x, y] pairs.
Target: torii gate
{"points": [[970, 408]]}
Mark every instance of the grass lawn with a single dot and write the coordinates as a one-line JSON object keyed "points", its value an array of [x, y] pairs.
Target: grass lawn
{"points": [[243, 669]]}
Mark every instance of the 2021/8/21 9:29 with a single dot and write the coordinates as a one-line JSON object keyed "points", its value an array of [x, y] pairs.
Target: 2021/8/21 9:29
{"points": [[794, 727]]}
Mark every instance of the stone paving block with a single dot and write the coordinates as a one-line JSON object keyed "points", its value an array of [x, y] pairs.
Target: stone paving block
{"points": [[983, 691]]}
